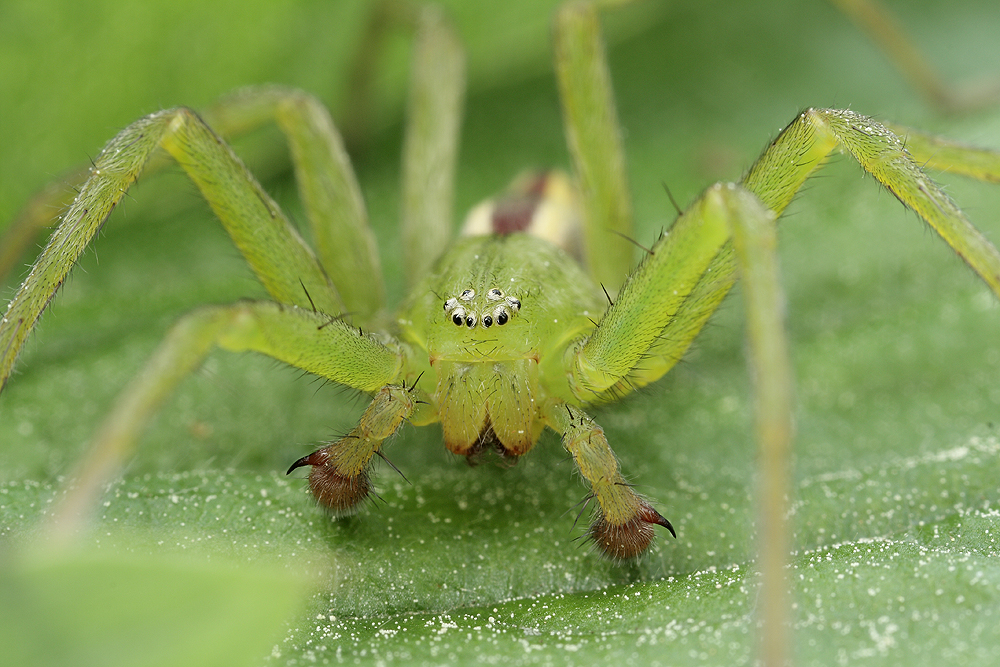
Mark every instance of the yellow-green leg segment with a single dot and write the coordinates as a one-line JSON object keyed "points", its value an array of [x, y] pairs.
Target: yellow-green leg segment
{"points": [[312, 292], [683, 278], [662, 306], [339, 477], [623, 522], [314, 342], [282, 261], [668, 285]]}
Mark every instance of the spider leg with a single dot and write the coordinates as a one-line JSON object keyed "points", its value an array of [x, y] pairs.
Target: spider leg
{"points": [[338, 221], [654, 297], [931, 151], [277, 254], [623, 523], [658, 312], [329, 191], [340, 478], [594, 141], [871, 17], [335, 210], [670, 295], [430, 145], [297, 336], [769, 362], [667, 286], [804, 145]]}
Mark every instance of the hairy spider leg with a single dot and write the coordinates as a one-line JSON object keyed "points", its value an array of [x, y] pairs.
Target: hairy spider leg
{"points": [[277, 254], [593, 136], [316, 343], [599, 365], [611, 364], [623, 522], [339, 478], [334, 208], [430, 143], [814, 134], [300, 330], [668, 298], [333, 279], [344, 273]]}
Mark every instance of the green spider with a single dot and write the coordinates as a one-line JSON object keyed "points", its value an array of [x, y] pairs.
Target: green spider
{"points": [[508, 331]]}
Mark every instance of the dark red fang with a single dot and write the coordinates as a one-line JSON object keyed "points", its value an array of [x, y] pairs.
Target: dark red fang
{"points": [[515, 211]]}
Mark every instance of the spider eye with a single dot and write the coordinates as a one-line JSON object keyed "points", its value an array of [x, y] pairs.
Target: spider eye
{"points": [[502, 317], [514, 304], [487, 321], [467, 295], [457, 319], [494, 294], [450, 303], [470, 320]]}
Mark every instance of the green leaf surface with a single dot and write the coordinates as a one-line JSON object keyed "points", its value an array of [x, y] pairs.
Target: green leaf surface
{"points": [[111, 607], [895, 344]]}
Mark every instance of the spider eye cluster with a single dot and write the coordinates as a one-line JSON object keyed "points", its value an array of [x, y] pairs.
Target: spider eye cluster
{"points": [[499, 309]]}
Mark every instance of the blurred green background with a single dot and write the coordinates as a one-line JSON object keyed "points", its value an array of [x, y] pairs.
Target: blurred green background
{"points": [[895, 344]]}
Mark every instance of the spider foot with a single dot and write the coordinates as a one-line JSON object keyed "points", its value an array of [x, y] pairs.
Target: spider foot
{"points": [[341, 494], [622, 541]]}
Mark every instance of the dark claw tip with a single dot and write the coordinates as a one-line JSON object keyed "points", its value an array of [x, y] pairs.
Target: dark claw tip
{"points": [[316, 458], [298, 464], [649, 515]]}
